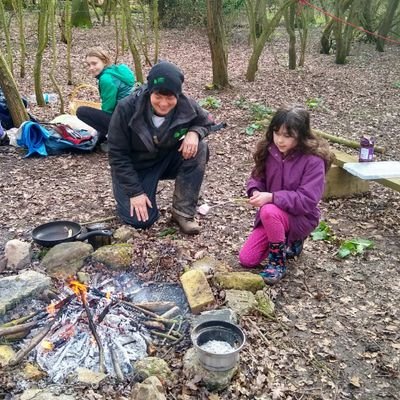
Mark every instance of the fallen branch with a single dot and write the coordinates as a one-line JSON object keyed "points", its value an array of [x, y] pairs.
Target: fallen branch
{"points": [[98, 220], [157, 306], [92, 327], [21, 320], [165, 335], [41, 335], [18, 328], [117, 367]]}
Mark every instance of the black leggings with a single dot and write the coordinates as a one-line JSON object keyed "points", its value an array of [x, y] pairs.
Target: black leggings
{"points": [[97, 119]]}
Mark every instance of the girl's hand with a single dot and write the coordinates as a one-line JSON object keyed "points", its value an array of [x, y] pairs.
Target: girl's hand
{"points": [[139, 206], [189, 145], [258, 199]]}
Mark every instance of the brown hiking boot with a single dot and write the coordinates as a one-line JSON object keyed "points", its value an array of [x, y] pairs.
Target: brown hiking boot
{"points": [[186, 225]]}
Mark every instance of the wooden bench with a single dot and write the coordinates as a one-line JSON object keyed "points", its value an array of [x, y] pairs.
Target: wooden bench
{"points": [[340, 183]]}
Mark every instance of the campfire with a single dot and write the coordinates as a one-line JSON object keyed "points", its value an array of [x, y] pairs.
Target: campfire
{"points": [[98, 328]]}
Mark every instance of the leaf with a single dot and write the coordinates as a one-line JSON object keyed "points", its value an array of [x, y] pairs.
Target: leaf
{"points": [[354, 246], [322, 232], [355, 381]]}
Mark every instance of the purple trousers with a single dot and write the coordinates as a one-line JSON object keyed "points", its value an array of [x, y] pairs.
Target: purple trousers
{"points": [[272, 229]]}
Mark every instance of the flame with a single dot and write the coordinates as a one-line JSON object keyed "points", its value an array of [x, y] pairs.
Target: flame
{"points": [[78, 288], [108, 295], [47, 345], [51, 308]]}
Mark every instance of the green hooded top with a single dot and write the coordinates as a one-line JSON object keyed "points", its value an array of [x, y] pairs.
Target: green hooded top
{"points": [[115, 83]]}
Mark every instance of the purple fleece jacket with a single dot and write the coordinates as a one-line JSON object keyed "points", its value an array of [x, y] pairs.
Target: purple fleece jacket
{"points": [[297, 183]]}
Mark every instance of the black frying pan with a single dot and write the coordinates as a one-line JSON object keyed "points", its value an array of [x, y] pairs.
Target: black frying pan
{"points": [[56, 232]]}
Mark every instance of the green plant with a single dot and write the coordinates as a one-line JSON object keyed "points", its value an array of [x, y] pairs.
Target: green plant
{"points": [[167, 232], [322, 232], [354, 247], [313, 103], [251, 129], [259, 111], [210, 102], [242, 103], [396, 84]]}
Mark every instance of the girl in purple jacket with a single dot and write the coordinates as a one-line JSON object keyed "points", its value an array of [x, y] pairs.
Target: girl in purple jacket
{"points": [[287, 183]]}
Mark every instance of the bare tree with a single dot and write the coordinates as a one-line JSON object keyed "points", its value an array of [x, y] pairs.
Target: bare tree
{"points": [[3, 22], [217, 41], [19, 11], [42, 42], [9, 88], [386, 23]]}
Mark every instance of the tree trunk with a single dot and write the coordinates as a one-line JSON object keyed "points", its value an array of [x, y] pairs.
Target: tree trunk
{"points": [[80, 14], [68, 38], [19, 11], [343, 36], [326, 43], [268, 29], [3, 22], [53, 38], [260, 10], [217, 41], [290, 27], [386, 23], [303, 21], [156, 28], [42, 39], [132, 45], [14, 102]]}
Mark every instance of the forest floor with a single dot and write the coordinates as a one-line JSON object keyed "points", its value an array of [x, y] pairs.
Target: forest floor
{"points": [[337, 330]]}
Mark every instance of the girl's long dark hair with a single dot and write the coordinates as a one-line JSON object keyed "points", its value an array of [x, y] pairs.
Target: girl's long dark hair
{"points": [[296, 119]]}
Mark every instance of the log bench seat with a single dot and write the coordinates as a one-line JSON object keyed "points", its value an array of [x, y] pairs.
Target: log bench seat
{"points": [[340, 183]]}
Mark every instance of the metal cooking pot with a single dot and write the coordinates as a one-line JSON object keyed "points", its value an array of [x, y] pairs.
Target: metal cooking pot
{"points": [[220, 331], [56, 232]]}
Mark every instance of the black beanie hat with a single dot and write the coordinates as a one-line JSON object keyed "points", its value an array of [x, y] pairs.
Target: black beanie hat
{"points": [[165, 76]]}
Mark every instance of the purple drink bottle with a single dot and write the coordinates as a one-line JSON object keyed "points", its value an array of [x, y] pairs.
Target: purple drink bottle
{"points": [[367, 144]]}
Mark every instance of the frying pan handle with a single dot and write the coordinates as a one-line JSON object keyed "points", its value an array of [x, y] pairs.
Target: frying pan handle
{"points": [[100, 232]]}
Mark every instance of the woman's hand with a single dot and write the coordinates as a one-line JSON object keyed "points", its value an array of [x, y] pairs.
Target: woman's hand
{"points": [[258, 199], [189, 145], [139, 206]]}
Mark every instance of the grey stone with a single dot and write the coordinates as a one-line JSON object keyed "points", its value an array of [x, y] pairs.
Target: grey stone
{"points": [[213, 380], [89, 377], [240, 301], [39, 394], [125, 233], [223, 314], [115, 256], [150, 389], [66, 259], [15, 288], [152, 366], [18, 254], [264, 304], [210, 265], [6, 354], [239, 281]]}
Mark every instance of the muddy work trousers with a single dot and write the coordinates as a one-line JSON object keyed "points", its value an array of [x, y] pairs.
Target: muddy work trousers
{"points": [[188, 176]]}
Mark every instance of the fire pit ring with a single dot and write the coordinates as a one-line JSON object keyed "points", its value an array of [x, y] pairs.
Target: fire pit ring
{"points": [[218, 344]]}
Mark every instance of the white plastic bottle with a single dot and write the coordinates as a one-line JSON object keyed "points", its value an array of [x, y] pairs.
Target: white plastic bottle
{"points": [[48, 98]]}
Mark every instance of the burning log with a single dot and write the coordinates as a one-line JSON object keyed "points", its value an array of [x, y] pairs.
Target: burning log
{"points": [[40, 336], [81, 290]]}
